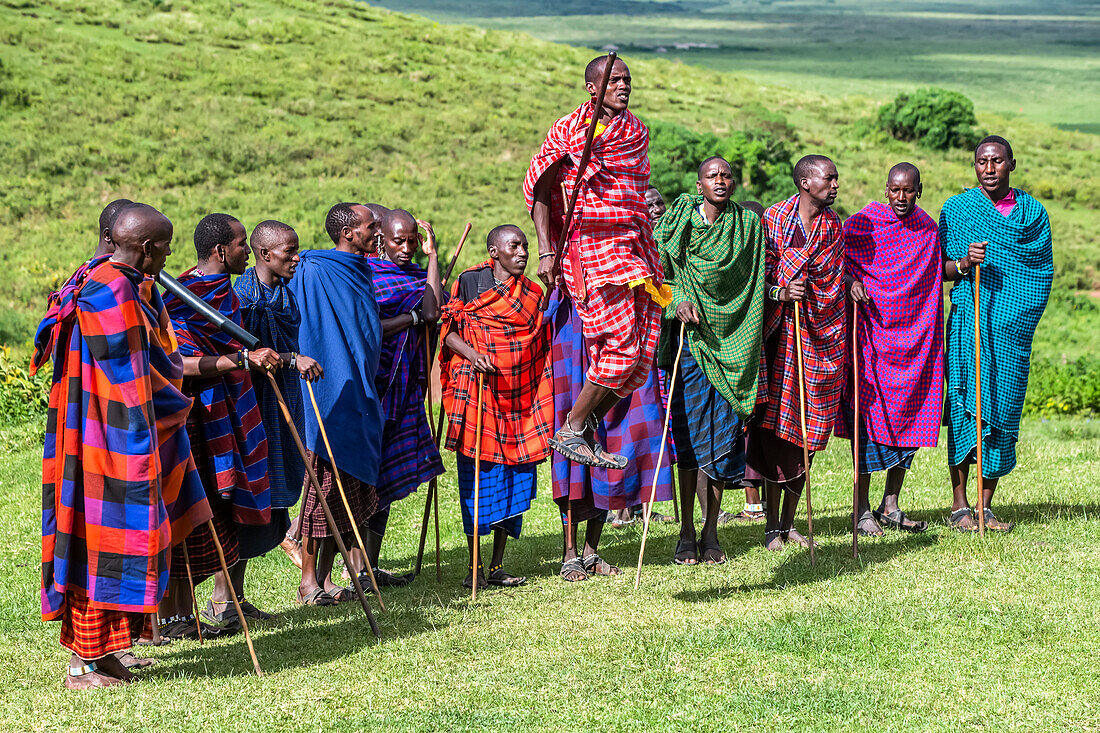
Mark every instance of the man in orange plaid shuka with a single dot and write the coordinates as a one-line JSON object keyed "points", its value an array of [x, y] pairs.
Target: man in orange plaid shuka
{"points": [[610, 267], [495, 337]]}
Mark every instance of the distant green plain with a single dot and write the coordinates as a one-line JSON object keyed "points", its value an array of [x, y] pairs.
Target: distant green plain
{"points": [[1037, 60]]}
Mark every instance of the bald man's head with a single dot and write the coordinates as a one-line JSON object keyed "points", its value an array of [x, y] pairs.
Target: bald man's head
{"points": [[397, 218], [142, 237]]}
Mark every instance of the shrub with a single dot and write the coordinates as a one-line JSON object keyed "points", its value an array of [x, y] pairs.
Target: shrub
{"points": [[936, 118], [761, 159], [23, 398], [1069, 387]]}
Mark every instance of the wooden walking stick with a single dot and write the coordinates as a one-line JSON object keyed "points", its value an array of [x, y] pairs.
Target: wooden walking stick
{"points": [[855, 430], [805, 432], [344, 498], [582, 165], [191, 582], [647, 507], [315, 485], [477, 481], [978, 397], [233, 595], [431, 500]]}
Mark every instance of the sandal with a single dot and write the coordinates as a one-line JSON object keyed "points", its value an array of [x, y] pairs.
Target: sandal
{"points": [[499, 577], [777, 534], [955, 521], [386, 579], [342, 595], [567, 442], [608, 460], [316, 597], [573, 567], [744, 515], [897, 520], [131, 661], [713, 555], [995, 525], [596, 565], [869, 516], [184, 627], [687, 553], [468, 581]]}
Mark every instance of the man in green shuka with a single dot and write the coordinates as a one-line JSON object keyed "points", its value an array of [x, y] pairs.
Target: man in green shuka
{"points": [[712, 252]]}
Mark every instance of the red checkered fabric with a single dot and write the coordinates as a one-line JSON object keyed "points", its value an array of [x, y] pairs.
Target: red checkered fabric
{"points": [[517, 402], [789, 255], [92, 633], [615, 243], [621, 327]]}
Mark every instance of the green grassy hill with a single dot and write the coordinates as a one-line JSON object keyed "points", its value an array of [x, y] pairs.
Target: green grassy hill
{"points": [[1035, 60], [278, 109]]}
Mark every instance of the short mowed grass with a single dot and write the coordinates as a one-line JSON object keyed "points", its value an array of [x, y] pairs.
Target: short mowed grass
{"points": [[934, 632]]}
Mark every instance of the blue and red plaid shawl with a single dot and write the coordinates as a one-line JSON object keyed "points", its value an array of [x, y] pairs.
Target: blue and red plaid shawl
{"points": [[900, 330], [631, 428], [271, 315], [790, 253], [226, 413], [409, 455], [119, 486]]}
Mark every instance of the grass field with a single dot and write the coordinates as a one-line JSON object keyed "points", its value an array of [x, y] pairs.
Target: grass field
{"points": [[932, 632], [1039, 61]]}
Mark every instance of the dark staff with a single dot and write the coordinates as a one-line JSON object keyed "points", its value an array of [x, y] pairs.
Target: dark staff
{"points": [[432, 499], [247, 339], [582, 166]]}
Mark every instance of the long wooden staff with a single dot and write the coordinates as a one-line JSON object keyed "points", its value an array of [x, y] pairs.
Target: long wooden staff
{"points": [[978, 397], [805, 432], [647, 507], [191, 582], [477, 481], [344, 498], [233, 595], [855, 430], [329, 519], [432, 499], [582, 166]]}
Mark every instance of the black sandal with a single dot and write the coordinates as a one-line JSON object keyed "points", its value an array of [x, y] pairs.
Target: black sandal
{"points": [[608, 460], [596, 565], [468, 582], [995, 525], [868, 516], [501, 578], [897, 520], [386, 579], [713, 555], [687, 552], [955, 520], [570, 567]]}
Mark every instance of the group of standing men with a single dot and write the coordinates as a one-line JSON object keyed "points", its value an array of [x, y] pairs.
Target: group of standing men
{"points": [[166, 446]]}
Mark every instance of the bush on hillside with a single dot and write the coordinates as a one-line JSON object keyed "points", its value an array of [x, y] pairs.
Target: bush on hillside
{"points": [[936, 118], [23, 398], [761, 159], [1063, 388]]}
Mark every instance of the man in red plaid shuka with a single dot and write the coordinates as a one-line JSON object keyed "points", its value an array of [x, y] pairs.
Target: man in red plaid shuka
{"points": [[804, 263], [610, 267]]}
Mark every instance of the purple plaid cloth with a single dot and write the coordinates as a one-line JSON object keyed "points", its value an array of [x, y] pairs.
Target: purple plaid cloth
{"points": [[632, 428], [409, 455]]}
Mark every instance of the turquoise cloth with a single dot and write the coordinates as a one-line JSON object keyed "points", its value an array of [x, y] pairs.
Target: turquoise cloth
{"points": [[1015, 286]]}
